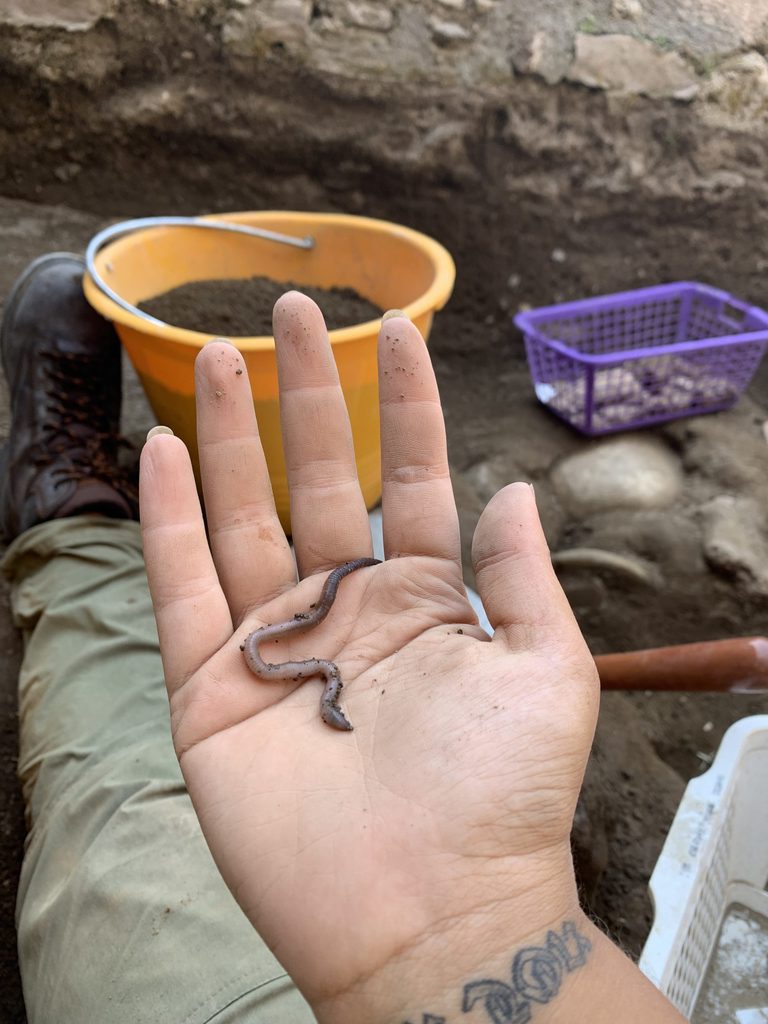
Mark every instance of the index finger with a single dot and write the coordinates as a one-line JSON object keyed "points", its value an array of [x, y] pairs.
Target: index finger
{"points": [[419, 511]]}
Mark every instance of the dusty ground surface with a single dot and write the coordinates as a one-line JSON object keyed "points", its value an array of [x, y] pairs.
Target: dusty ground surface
{"points": [[647, 746]]}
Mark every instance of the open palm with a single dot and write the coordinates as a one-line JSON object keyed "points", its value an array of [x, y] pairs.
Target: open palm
{"points": [[453, 796]]}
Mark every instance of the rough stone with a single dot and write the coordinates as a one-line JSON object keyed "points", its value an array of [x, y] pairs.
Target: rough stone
{"points": [[376, 17], [149, 104], [709, 445], [632, 472], [72, 16], [546, 58], [448, 33], [535, 36], [249, 32], [628, 65], [737, 91], [735, 543], [59, 58], [631, 9]]}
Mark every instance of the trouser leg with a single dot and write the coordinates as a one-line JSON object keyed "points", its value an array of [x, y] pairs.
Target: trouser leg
{"points": [[122, 915]]}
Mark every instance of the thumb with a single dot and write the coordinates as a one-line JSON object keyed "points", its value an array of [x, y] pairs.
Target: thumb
{"points": [[514, 573]]}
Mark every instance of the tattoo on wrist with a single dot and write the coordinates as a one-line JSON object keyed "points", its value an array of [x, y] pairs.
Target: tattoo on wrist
{"points": [[536, 975]]}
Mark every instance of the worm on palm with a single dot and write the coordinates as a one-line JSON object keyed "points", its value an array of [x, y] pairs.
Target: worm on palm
{"points": [[330, 712]]}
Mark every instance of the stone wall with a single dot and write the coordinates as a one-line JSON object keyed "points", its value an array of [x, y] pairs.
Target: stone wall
{"points": [[557, 146]]}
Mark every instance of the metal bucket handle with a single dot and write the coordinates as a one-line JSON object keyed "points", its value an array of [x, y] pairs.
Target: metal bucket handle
{"points": [[125, 227]]}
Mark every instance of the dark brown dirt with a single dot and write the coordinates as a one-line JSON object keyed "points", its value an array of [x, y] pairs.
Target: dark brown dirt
{"points": [[244, 308]]}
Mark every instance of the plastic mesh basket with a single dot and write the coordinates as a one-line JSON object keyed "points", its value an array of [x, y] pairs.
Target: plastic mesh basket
{"points": [[641, 357], [715, 858]]}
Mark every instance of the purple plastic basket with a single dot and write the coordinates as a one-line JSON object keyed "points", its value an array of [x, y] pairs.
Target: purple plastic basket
{"points": [[634, 358]]}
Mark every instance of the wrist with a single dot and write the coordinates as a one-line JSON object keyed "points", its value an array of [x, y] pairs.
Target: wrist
{"points": [[526, 955], [470, 940], [564, 974]]}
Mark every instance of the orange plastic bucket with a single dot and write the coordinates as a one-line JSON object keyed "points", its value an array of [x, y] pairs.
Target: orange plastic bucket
{"points": [[391, 265]]}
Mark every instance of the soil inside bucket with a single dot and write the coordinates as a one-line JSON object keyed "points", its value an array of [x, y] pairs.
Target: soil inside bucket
{"points": [[243, 307]]}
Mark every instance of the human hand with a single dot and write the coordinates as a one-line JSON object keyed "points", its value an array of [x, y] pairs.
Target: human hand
{"points": [[376, 863]]}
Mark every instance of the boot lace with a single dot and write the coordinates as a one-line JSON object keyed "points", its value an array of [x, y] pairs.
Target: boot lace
{"points": [[77, 432]]}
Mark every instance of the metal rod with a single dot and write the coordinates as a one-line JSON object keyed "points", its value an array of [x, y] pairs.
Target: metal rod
{"points": [[125, 227], [738, 665]]}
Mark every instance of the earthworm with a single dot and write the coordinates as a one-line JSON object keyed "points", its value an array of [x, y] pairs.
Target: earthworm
{"points": [[330, 712]]}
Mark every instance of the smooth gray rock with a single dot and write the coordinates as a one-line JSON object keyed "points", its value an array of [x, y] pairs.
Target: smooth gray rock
{"points": [[631, 472]]}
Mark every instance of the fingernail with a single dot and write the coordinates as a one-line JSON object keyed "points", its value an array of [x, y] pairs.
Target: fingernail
{"points": [[392, 313], [227, 341], [159, 429]]}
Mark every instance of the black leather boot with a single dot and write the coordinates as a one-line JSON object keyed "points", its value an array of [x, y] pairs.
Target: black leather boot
{"points": [[62, 364]]}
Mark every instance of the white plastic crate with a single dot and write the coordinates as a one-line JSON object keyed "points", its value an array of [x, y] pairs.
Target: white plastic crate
{"points": [[715, 857]]}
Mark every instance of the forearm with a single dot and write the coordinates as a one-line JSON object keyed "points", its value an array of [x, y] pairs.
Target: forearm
{"points": [[609, 989], [568, 973]]}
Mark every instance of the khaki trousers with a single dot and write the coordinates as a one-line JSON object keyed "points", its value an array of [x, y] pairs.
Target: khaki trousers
{"points": [[122, 916]]}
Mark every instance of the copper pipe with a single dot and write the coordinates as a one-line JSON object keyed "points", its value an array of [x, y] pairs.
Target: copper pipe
{"points": [[739, 665]]}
